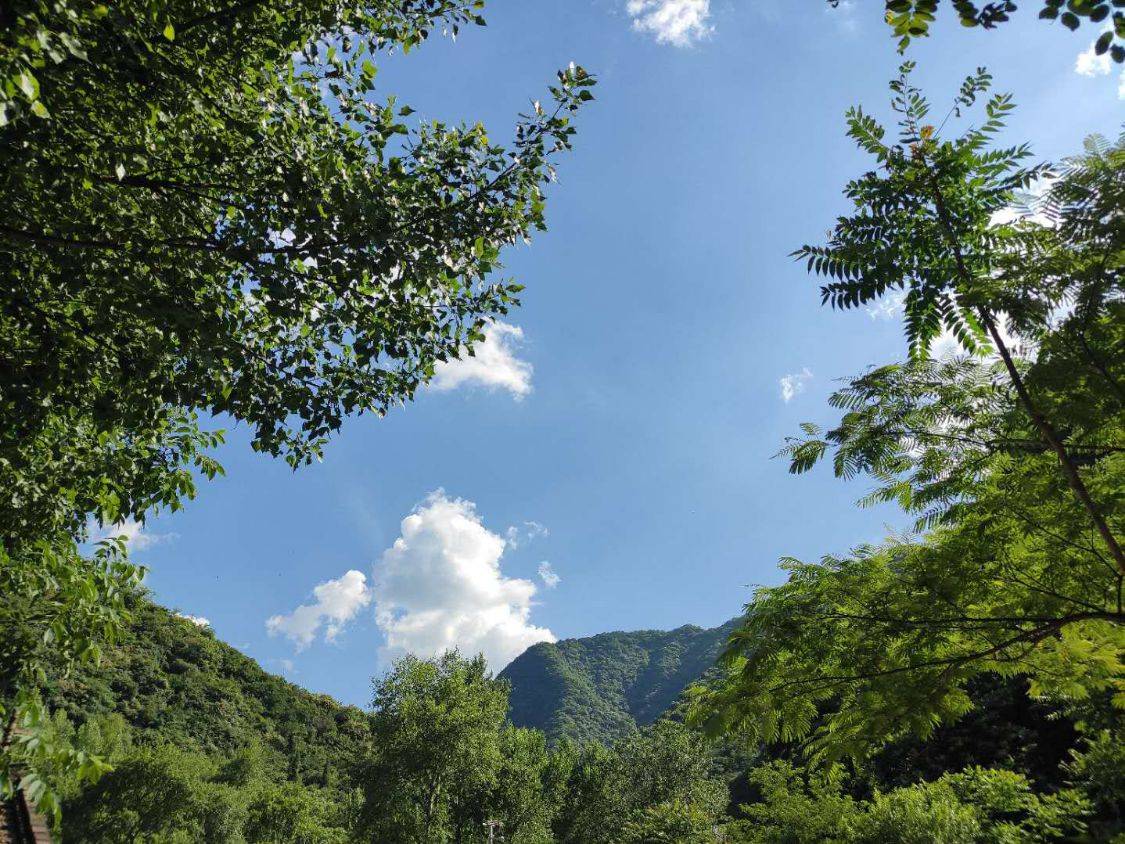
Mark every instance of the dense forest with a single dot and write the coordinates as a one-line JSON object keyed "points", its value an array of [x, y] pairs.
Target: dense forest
{"points": [[604, 687], [288, 251], [206, 746]]}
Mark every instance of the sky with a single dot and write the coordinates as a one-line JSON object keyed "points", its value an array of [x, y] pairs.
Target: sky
{"points": [[605, 462]]}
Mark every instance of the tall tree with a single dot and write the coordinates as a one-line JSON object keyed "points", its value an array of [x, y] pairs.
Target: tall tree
{"points": [[208, 208], [214, 211], [436, 748], [1015, 462]]}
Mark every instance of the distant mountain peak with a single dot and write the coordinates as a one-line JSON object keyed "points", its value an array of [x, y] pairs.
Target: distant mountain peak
{"points": [[605, 686]]}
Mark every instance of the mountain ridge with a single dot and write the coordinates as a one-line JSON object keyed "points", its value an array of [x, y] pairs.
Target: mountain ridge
{"points": [[605, 686]]}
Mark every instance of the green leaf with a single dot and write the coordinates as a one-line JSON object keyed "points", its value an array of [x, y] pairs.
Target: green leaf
{"points": [[28, 84], [170, 32]]}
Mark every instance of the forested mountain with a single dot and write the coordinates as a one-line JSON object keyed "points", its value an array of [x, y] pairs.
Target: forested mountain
{"points": [[174, 681], [602, 687], [206, 745]]}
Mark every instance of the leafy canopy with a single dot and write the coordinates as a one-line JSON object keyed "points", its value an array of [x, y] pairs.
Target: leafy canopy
{"points": [[909, 19], [210, 209], [219, 213], [1015, 464]]}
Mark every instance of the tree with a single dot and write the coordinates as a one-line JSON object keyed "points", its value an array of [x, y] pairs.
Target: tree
{"points": [[291, 813], [1016, 464], [59, 610], [153, 792], [669, 823], [284, 249], [436, 748], [796, 806], [668, 763], [208, 209], [659, 779], [591, 792], [910, 19], [519, 798]]}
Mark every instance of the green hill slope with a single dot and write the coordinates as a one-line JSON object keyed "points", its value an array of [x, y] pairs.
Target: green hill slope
{"points": [[176, 682], [602, 687]]}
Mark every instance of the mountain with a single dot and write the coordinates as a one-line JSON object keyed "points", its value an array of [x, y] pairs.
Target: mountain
{"points": [[174, 681], [603, 687]]}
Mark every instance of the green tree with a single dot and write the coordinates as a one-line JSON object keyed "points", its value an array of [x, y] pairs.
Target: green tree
{"points": [[659, 778], [208, 208], [910, 19], [591, 802], [1016, 463], [1098, 770], [801, 806], [436, 749], [291, 813], [668, 823], [519, 798], [151, 795], [59, 609], [795, 806], [286, 250], [668, 763]]}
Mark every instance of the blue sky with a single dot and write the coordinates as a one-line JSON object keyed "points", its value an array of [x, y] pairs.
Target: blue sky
{"points": [[620, 426]]}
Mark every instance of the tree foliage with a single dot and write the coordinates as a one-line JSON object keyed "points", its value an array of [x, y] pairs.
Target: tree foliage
{"points": [[287, 249], [436, 728], [210, 209], [1013, 462], [207, 747], [909, 19]]}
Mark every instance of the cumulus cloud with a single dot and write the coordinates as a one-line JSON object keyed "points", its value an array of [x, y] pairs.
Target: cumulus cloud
{"points": [[793, 384], [335, 603], [439, 586], [197, 620], [493, 366], [548, 575], [677, 22], [133, 532]]}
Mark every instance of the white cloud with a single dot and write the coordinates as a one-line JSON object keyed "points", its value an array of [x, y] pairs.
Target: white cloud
{"points": [[677, 22], [1090, 63], [197, 620], [793, 384], [525, 533], [336, 603], [440, 587], [548, 575], [133, 532], [887, 307], [494, 365], [288, 666]]}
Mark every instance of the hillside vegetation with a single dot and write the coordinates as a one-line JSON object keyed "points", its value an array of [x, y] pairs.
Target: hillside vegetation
{"points": [[173, 681], [603, 687]]}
